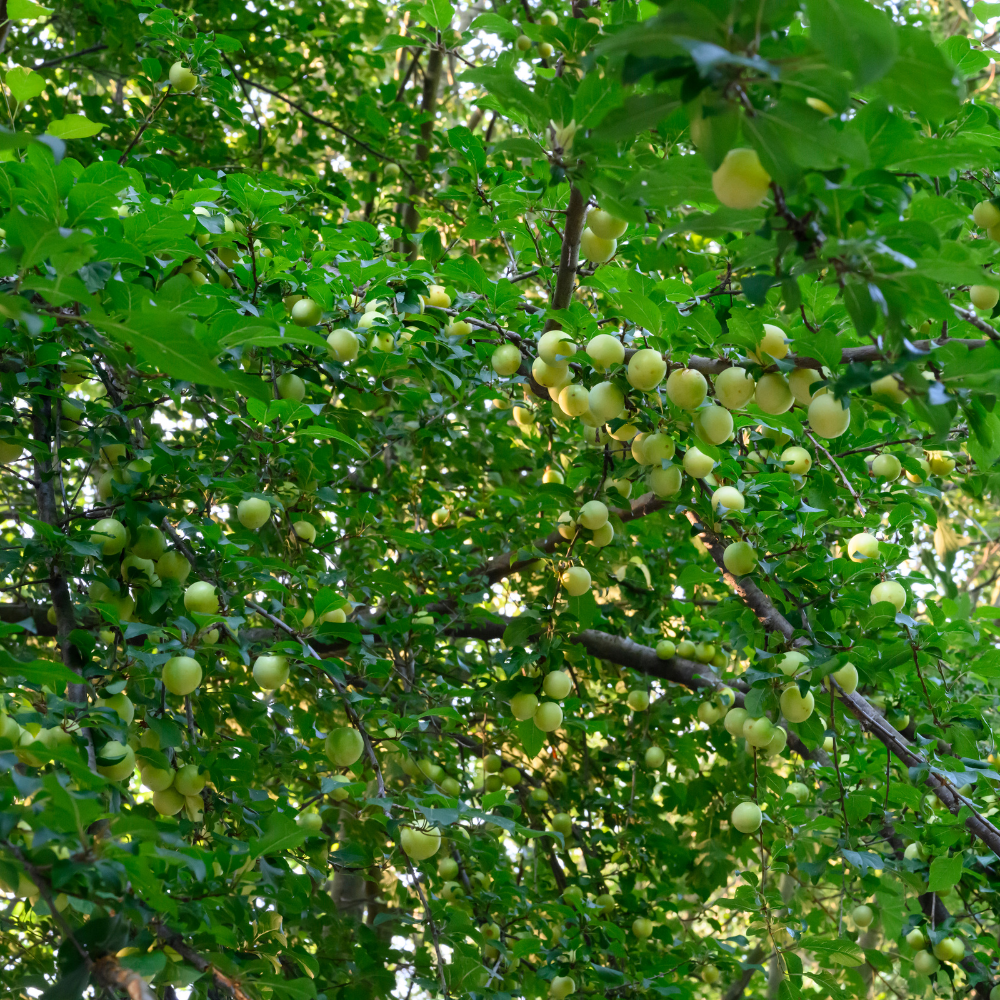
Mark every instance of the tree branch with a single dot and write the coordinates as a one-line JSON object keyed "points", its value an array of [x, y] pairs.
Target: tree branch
{"points": [[562, 294]]}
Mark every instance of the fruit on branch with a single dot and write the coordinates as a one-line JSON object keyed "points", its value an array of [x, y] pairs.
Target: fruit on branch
{"points": [[189, 780], [420, 845], [916, 940], [654, 758], [686, 388], [548, 716], [646, 369], [549, 18], [10, 451], [891, 591], [383, 341], [441, 516], [986, 214], [798, 791], [181, 674], [828, 417], [574, 400], [796, 460], [181, 78], [605, 225], [741, 181], [772, 394], [740, 558], [116, 761], [438, 296], [734, 388], [270, 672], [950, 949], [511, 776], [566, 525], [304, 531], [460, 328], [771, 345], [156, 779], [925, 963], [758, 732], [561, 987], [592, 247], [344, 746], [369, 319], [735, 720], [888, 387], [606, 401], [642, 928], [747, 817], [847, 678], [604, 535], [549, 375], [862, 916], [727, 499], [801, 381], [710, 974], [342, 344], [557, 684], [795, 706], [593, 515], [307, 312], [110, 535], [253, 513], [556, 347], [697, 464], [149, 542], [605, 351], [713, 424], [506, 360], [984, 296], [523, 43], [925, 468], [665, 649], [201, 598], [862, 546], [777, 742], [709, 713], [638, 700], [522, 416], [665, 482], [121, 705], [887, 466], [289, 386]]}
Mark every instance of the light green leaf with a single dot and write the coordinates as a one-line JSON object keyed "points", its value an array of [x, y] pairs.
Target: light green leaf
{"points": [[945, 873], [438, 14], [25, 84], [281, 833], [26, 10], [73, 127]]}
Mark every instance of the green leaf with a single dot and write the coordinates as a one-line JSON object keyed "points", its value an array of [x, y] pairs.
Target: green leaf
{"points": [[496, 24], [532, 738], [280, 833], [38, 672], [166, 342], [921, 79], [293, 989], [856, 37], [877, 616], [945, 873], [438, 14], [26, 10], [73, 127], [24, 84], [520, 630], [146, 963], [331, 433], [640, 310]]}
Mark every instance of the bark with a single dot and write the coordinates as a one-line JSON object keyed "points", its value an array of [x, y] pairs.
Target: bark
{"points": [[111, 976], [569, 259], [45, 472], [428, 105], [737, 988]]}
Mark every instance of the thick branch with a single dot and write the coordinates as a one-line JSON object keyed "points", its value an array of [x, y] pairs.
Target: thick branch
{"points": [[562, 294], [111, 976], [222, 982]]}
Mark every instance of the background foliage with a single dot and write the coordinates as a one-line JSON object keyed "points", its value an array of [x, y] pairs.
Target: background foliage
{"points": [[356, 154]]}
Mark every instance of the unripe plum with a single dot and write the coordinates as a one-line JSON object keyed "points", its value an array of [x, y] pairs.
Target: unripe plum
{"points": [[593, 514], [646, 370], [576, 580], [607, 226], [548, 717], [734, 388], [828, 417], [307, 312], [556, 347], [795, 706], [741, 181], [697, 464], [747, 817], [887, 466], [772, 394], [984, 296], [606, 402], [772, 345], [986, 214], [506, 360], [605, 350], [592, 247], [862, 546], [740, 558], [342, 344], [665, 482], [800, 382], [686, 388], [713, 424]]}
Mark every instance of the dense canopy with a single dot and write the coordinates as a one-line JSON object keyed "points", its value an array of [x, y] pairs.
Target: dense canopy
{"points": [[499, 501]]}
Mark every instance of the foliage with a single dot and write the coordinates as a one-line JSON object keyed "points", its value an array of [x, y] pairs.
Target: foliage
{"points": [[423, 173]]}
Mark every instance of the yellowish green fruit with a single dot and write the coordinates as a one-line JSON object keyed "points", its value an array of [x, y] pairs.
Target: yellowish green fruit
{"points": [[548, 716], [734, 388], [847, 678], [795, 706], [270, 672], [665, 482], [741, 181], [181, 674], [605, 350], [686, 388], [646, 369], [344, 746], [116, 761], [201, 597], [828, 417], [727, 499], [638, 700], [607, 226], [343, 344], [713, 424], [307, 312], [697, 464], [665, 649], [984, 296], [290, 386], [796, 460], [654, 758], [110, 535], [740, 558], [772, 394], [747, 817], [862, 546], [891, 591], [557, 684], [181, 78], [592, 247], [889, 387]]}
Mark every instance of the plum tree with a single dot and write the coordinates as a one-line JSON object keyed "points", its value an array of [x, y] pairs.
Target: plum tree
{"points": [[505, 515]]}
